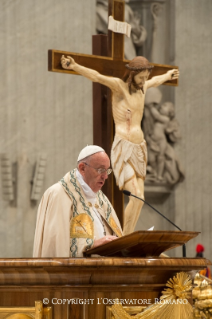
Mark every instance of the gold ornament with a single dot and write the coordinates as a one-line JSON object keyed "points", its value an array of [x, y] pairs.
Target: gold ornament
{"points": [[173, 302], [82, 227]]}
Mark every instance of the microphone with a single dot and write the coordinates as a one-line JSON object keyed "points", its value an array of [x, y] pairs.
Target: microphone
{"points": [[130, 194]]}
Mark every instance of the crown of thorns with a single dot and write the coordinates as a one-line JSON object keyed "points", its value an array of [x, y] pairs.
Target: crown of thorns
{"points": [[134, 68]]}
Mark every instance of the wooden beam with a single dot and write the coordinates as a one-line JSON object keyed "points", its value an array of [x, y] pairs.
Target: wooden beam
{"points": [[102, 64]]}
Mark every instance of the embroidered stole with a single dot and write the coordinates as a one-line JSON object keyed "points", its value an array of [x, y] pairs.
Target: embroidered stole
{"points": [[82, 222]]}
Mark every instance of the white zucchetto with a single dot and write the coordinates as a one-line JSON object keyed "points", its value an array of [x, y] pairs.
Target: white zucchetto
{"points": [[89, 150]]}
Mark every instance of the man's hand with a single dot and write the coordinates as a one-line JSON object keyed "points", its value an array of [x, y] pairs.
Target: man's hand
{"points": [[174, 74], [103, 240], [67, 63]]}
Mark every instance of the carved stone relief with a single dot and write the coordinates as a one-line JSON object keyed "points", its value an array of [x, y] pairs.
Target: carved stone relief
{"points": [[162, 132]]}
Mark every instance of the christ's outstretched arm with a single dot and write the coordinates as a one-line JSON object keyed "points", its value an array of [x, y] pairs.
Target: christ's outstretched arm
{"points": [[111, 82], [160, 79]]}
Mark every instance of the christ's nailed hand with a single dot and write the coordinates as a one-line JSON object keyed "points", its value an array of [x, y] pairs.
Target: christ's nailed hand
{"points": [[67, 63], [174, 74]]}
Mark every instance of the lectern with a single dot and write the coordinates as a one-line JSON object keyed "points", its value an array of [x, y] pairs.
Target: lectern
{"points": [[83, 288]]}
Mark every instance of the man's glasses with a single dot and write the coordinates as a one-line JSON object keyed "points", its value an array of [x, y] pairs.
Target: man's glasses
{"points": [[101, 170]]}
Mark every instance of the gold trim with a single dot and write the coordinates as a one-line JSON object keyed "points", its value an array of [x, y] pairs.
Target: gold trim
{"points": [[114, 226]]}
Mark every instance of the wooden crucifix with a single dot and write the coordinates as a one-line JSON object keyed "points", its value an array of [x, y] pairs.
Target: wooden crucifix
{"points": [[108, 60]]}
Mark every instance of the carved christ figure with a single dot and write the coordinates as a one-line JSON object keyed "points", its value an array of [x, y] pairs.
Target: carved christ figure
{"points": [[129, 152]]}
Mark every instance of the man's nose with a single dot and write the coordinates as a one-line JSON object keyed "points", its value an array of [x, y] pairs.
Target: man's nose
{"points": [[105, 175]]}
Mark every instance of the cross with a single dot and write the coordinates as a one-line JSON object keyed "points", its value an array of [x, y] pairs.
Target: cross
{"points": [[109, 60], [114, 63]]}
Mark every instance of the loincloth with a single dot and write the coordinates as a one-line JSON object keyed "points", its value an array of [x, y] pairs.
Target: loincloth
{"points": [[124, 153]]}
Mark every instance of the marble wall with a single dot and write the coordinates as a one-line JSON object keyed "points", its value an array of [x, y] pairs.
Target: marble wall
{"points": [[40, 112], [190, 205], [193, 200]]}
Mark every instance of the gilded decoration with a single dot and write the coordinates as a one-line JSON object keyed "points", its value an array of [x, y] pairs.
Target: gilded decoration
{"points": [[114, 226], [37, 312], [172, 304], [82, 227], [202, 297], [131, 311]]}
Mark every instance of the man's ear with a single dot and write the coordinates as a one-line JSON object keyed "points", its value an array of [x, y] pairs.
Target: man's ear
{"points": [[81, 168]]}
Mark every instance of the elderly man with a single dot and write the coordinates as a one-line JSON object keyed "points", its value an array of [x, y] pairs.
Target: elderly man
{"points": [[74, 215]]}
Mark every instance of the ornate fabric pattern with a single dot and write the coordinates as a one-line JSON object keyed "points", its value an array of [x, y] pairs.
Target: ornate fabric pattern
{"points": [[77, 189], [82, 227], [71, 195], [82, 222]]}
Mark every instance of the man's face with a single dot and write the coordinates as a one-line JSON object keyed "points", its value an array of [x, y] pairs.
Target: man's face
{"points": [[141, 78], [90, 175]]}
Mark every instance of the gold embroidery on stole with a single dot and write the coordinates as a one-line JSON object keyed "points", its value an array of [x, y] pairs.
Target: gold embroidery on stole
{"points": [[114, 226], [82, 227]]}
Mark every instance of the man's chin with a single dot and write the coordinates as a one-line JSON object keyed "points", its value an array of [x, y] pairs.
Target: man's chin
{"points": [[100, 185]]}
